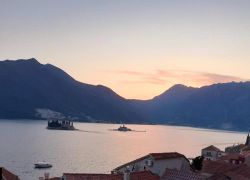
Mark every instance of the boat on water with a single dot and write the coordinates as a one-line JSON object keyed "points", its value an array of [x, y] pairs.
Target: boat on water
{"points": [[123, 128], [60, 125], [40, 165]]}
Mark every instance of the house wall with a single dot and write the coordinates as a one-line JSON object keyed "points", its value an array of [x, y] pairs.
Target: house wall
{"points": [[210, 155], [158, 166], [234, 149]]}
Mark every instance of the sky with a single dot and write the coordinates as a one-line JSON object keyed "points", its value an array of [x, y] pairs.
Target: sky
{"points": [[138, 48]]}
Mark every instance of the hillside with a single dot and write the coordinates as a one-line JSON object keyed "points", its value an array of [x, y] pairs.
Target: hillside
{"points": [[222, 106], [30, 90]]}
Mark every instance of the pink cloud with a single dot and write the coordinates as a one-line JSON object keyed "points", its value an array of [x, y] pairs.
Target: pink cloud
{"points": [[162, 77]]}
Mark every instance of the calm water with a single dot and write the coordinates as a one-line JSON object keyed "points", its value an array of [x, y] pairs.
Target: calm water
{"points": [[95, 148]]}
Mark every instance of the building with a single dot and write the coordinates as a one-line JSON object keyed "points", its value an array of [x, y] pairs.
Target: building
{"points": [[233, 158], [157, 163], [235, 148], [239, 147], [211, 153], [7, 175]]}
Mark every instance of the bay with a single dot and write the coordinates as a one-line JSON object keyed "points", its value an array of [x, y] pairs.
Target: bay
{"points": [[95, 148]]}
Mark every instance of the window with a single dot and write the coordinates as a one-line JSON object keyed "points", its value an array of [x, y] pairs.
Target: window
{"points": [[209, 154]]}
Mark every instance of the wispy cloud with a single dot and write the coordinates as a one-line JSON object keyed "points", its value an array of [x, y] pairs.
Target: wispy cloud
{"points": [[162, 77]]}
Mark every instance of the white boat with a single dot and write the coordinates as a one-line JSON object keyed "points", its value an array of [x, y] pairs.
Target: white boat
{"points": [[42, 165]]}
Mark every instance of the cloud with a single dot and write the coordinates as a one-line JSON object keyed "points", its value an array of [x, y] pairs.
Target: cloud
{"points": [[163, 77]]}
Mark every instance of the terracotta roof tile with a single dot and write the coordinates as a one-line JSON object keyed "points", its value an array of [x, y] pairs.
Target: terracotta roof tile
{"points": [[144, 175], [80, 176], [216, 167], [8, 175], [220, 169], [156, 156], [211, 148], [243, 170], [168, 155], [172, 174], [227, 177], [231, 156]]}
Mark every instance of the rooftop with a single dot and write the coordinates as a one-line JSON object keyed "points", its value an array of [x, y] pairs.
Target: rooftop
{"points": [[216, 167], [172, 174], [211, 148], [8, 175], [144, 175], [240, 172], [156, 156], [231, 156]]}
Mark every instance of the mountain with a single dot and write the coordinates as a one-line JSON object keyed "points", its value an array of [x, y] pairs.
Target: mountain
{"points": [[222, 106], [30, 90]]}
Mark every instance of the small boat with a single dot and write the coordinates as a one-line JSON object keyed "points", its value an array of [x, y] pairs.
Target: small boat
{"points": [[123, 128], [42, 165]]}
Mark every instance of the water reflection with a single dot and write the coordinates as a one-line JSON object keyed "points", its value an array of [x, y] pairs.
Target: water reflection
{"points": [[94, 148]]}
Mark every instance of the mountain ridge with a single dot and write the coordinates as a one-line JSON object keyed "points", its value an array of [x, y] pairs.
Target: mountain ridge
{"points": [[32, 90], [29, 85]]}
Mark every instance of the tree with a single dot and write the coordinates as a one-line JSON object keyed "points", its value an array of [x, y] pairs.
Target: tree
{"points": [[197, 163]]}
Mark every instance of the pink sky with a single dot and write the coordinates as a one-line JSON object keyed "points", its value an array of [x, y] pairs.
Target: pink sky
{"points": [[138, 48]]}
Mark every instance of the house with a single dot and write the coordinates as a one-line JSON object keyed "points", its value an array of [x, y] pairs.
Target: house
{"points": [[233, 158], [7, 175], [143, 175], [211, 153], [240, 147], [156, 163], [235, 148], [173, 174]]}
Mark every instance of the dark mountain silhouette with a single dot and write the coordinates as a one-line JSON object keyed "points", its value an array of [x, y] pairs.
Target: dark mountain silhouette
{"points": [[27, 85], [222, 106], [30, 90]]}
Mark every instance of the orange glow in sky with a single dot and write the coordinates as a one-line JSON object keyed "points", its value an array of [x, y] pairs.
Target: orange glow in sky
{"points": [[137, 48]]}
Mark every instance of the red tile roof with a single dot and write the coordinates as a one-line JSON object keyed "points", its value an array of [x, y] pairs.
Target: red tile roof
{"points": [[211, 148], [226, 177], [168, 155], [242, 170], [156, 156], [216, 167], [220, 169], [144, 175], [231, 156], [80, 176], [8, 175], [172, 174]]}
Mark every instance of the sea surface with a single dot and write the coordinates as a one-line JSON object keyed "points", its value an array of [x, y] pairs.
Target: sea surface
{"points": [[95, 148]]}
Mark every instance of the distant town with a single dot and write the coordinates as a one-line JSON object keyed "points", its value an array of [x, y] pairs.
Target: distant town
{"points": [[213, 164]]}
